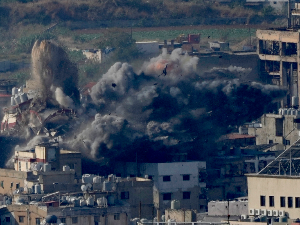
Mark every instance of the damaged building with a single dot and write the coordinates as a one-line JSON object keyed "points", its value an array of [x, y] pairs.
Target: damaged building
{"points": [[279, 52]]}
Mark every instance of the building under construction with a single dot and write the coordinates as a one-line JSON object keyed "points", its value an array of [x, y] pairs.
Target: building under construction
{"points": [[279, 53]]}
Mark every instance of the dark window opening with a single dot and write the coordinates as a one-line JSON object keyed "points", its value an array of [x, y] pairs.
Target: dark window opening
{"points": [[37, 221], [271, 201], [297, 202], [125, 195], [74, 219], [262, 200], [21, 219], [290, 202], [167, 196], [150, 177], [117, 217], [271, 142], [287, 142], [63, 220], [7, 219], [166, 178], [186, 195], [282, 201], [186, 177]]}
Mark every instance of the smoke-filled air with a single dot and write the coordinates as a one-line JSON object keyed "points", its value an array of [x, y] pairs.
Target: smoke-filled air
{"points": [[164, 107]]}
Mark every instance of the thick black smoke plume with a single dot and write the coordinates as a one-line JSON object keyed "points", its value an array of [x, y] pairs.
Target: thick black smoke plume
{"points": [[168, 108]]}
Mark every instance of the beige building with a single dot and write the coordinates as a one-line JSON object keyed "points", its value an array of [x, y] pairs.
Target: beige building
{"points": [[274, 191], [68, 215], [50, 154], [277, 128]]}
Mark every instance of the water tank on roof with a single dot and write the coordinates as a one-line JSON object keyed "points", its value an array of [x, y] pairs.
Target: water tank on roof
{"points": [[83, 188], [280, 111], [295, 101], [47, 167], [111, 178], [175, 204], [96, 180], [87, 178], [111, 200], [37, 189], [17, 100], [51, 219], [90, 201], [23, 97], [76, 202], [14, 91], [107, 186], [20, 90], [66, 168], [82, 202], [12, 101]]}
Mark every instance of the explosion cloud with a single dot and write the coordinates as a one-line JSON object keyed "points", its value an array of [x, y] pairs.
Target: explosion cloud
{"points": [[155, 113]]}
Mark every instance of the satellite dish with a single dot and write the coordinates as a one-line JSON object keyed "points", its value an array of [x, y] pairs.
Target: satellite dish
{"points": [[83, 188]]}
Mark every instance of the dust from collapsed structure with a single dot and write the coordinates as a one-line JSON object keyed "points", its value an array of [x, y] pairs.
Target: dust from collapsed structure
{"points": [[143, 114]]}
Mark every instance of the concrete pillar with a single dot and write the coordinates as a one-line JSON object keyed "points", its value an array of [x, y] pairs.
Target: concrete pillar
{"points": [[158, 215], [283, 81]]}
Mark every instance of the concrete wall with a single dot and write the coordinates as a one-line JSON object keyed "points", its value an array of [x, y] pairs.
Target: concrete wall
{"points": [[236, 208], [72, 159], [180, 215], [277, 186], [140, 192], [269, 132], [13, 177]]}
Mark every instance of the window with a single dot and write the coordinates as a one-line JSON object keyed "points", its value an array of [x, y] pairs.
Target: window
{"points": [[150, 177], [186, 177], [2, 184], [297, 202], [7, 219], [131, 175], [63, 220], [290, 202], [117, 217], [166, 178], [21, 219], [271, 201], [17, 185], [167, 196], [124, 195], [271, 142], [186, 195], [74, 219], [262, 200], [282, 201], [37, 221], [287, 142]]}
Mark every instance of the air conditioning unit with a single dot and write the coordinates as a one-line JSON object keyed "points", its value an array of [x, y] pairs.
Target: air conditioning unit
{"points": [[275, 212], [270, 212], [281, 213], [243, 217], [256, 212], [251, 212], [263, 212]]}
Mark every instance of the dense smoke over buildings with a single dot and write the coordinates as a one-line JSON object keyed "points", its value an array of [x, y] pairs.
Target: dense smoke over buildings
{"points": [[164, 108]]}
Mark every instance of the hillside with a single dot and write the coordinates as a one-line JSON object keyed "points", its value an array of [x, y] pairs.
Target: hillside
{"points": [[46, 11]]}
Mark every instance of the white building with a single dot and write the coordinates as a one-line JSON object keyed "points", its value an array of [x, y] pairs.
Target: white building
{"points": [[183, 181]]}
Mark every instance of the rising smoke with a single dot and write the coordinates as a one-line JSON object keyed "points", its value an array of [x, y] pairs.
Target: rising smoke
{"points": [[163, 108], [167, 108]]}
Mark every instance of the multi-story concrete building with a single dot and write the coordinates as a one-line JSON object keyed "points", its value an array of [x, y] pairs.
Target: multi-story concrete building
{"points": [[277, 128], [37, 214], [279, 53], [273, 191], [183, 181]]}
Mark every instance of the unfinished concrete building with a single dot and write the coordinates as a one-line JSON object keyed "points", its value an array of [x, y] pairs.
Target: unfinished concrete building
{"points": [[279, 53]]}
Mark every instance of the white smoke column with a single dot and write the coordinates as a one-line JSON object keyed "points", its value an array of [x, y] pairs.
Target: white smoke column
{"points": [[63, 100]]}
